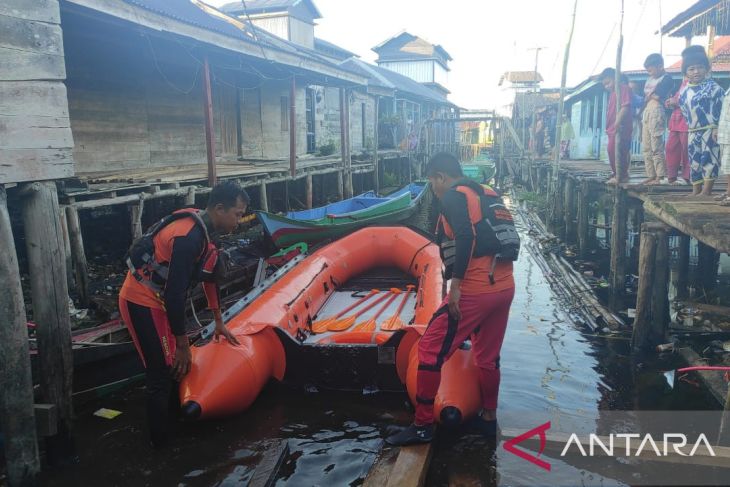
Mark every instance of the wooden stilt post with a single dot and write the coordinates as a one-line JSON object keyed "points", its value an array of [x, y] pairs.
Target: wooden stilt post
{"points": [[190, 197], [617, 276], [707, 260], [660, 286], [647, 260], [209, 132], [376, 169], [637, 218], [66, 246], [78, 255], [263, 198], [583, 219], [558, 200], [293, 127], [340, 191], [569, 209], [308, 190], [285, 186], [136, 216], [17, 420], [345, 141], [47, 265], [683, 268]]}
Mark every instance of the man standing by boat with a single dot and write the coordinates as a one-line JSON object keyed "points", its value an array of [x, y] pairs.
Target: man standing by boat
{"points": [[163, 266], [478, 256]]}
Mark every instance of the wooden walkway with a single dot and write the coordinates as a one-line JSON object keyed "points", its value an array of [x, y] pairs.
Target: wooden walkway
{"points": [[701, 218], [108, 184]]}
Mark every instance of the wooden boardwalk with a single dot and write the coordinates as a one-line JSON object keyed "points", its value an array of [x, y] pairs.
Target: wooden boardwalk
{"points": [[701, 218]]}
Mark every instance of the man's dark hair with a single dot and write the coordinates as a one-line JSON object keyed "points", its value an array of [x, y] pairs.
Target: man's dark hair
{"points": [[445, 163], [227, 194], [654, 60], [608, 73]]}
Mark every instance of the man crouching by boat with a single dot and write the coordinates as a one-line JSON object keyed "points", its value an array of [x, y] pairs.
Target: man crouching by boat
{"points": [[478, 255], [164, 264]]}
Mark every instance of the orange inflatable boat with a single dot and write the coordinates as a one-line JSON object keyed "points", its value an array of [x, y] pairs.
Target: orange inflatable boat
{"points": [[349, 316]]}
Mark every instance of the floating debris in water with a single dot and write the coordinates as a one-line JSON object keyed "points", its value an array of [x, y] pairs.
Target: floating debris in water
{"points": [[107, 413]]}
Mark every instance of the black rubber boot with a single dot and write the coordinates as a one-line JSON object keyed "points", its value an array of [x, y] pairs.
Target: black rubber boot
{"points": [[412, 435], [488, 429]]}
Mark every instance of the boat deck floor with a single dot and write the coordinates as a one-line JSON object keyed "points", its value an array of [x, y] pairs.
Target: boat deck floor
{"points": [[341, 299], [355, 289]]}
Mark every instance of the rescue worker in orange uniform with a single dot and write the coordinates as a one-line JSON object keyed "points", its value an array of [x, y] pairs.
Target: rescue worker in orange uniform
{"points": [[163, 266], [479, 298]]}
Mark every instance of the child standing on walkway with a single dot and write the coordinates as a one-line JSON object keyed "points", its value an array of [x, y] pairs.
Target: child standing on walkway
{"points": [[656, 90], [701, 103], [677, 149]]}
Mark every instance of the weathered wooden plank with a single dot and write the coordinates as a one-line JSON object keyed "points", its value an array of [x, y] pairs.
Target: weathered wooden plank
{"points": [[266, 470], [90, 161], [380, 471], [46, 98], [47, 266], [18, 165], [720, 241], [22, 65], [30, 36], [40, 10], [35, 132], [411, 466], [16, 401]]}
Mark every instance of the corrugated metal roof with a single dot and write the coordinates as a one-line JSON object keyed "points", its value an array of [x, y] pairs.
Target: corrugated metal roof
{"points": [[408, 46], [189, 13], [269, 6], [322, 44], [682, 18], [390, 79]]}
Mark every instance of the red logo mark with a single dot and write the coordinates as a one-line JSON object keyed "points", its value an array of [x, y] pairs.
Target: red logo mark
{"points": [[509, 445]]}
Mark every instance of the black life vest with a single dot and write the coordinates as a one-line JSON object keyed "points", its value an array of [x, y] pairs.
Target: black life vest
{"points": [[494, 230], [145, 266]]}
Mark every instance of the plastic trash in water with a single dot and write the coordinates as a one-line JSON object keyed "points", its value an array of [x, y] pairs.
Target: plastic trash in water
{"points": [[107, 413]]}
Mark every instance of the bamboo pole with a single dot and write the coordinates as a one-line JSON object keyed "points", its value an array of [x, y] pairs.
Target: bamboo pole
{"points": [[17, 421], [617, 92], [561, 103], [78, 254]]}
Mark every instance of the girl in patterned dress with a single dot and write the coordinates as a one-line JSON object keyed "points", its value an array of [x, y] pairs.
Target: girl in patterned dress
{"points": [[701, 103]]}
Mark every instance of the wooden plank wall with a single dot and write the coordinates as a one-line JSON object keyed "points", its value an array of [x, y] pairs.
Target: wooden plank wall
{"points": [[135, 101], [35, 139]]}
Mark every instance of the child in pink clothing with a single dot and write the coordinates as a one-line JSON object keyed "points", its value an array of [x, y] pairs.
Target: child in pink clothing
{"points": [[676, 147]]}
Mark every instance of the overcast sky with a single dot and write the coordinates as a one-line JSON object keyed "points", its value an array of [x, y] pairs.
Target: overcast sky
{"points": [[489, 37]]}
